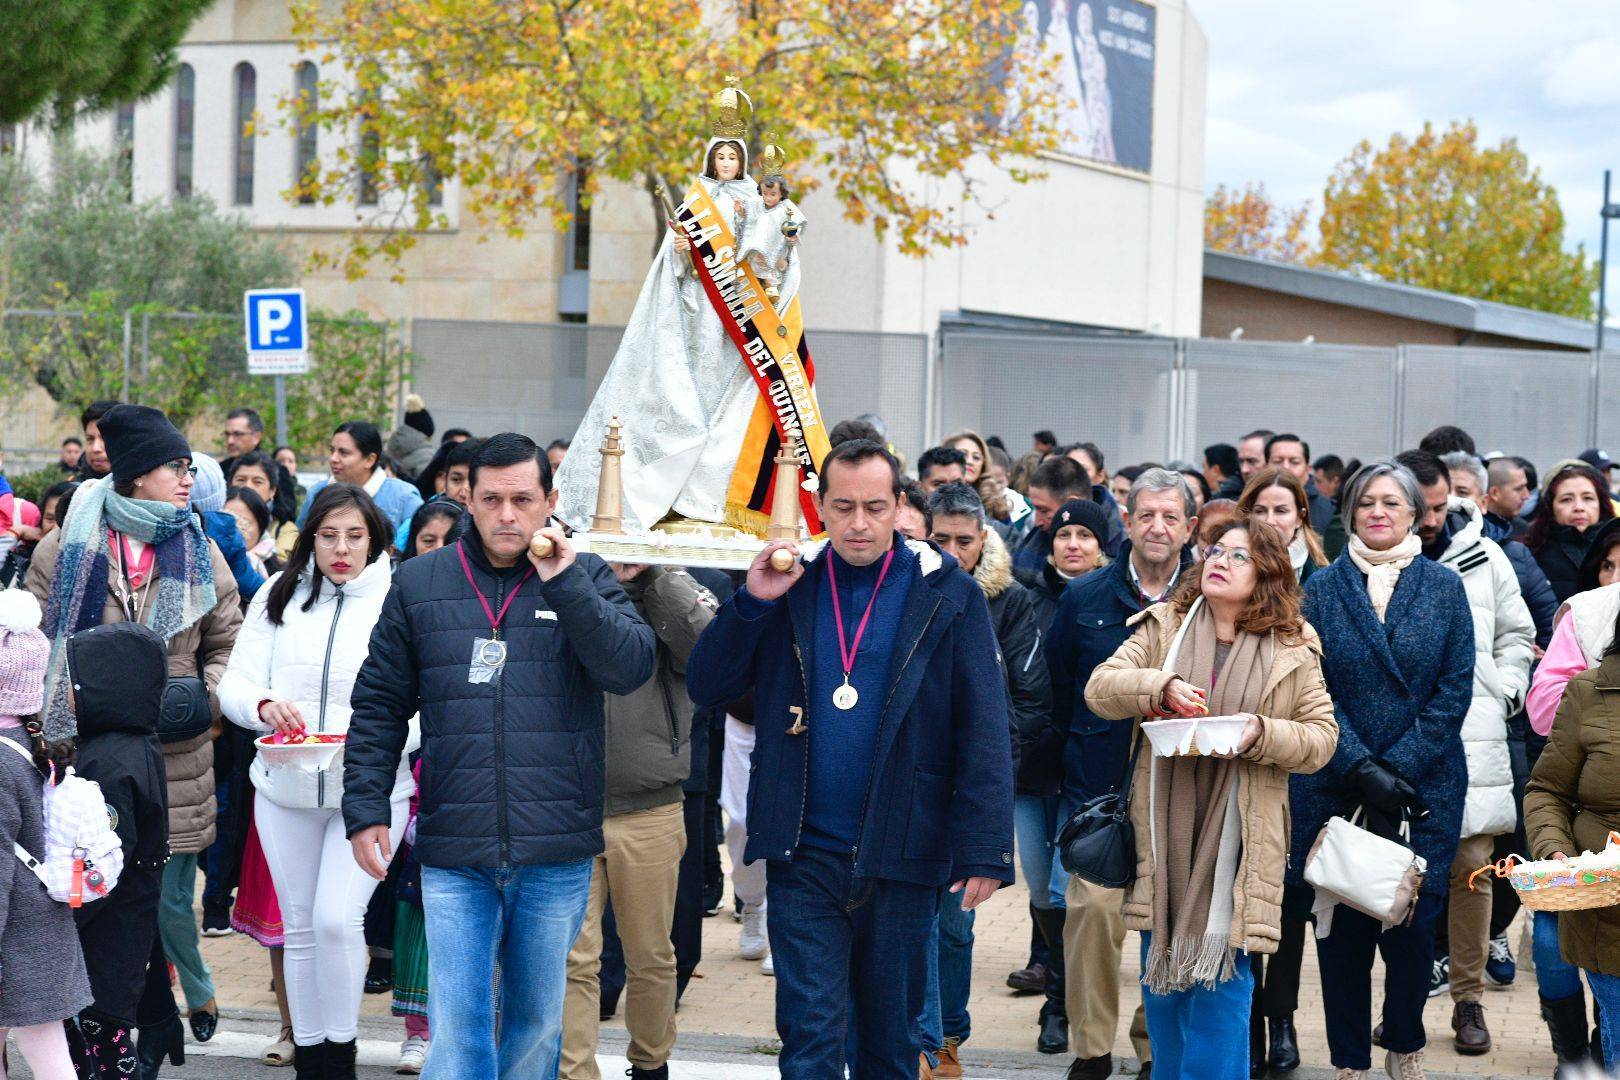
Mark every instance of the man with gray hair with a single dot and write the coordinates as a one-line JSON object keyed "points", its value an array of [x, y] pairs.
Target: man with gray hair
{"points": [[1471, 480], [1091, 622]]}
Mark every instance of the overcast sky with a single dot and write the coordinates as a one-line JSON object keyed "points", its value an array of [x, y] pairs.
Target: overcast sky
{"points": [[1293, 86]]}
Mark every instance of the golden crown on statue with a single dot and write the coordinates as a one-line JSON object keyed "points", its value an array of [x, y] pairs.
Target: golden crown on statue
{"points": [[730, 111], [772, 159]]}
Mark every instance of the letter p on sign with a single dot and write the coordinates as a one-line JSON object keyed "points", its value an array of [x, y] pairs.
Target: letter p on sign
{"points": [[277, 331]]}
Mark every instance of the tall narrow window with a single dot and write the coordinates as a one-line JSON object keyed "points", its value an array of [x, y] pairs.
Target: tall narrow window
{"points": [[305, 149], [185, 126], [124, 144], [432, 181], [246, 90], [580, 242], [369, 158]]}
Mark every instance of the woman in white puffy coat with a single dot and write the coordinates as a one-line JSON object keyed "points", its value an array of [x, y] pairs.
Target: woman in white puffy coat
{"points": [[294, 664]]}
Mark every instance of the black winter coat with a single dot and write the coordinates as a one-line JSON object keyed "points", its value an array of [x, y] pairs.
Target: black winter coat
{"points": [[1040, 764], [1019, 633], [1560, 558], [119, 671], [512, 769]]}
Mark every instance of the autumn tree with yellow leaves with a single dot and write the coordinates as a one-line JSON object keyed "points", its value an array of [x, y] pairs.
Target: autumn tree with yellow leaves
{"points": [[1247, 221], [898, 106], [1443, 212]]}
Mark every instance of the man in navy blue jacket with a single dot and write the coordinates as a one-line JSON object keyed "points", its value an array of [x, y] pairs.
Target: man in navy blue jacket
{"points": [[882, 770], [506, 658], [1091, 622]]}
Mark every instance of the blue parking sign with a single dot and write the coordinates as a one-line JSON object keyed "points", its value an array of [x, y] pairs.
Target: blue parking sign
{"points": [[277, 329]]}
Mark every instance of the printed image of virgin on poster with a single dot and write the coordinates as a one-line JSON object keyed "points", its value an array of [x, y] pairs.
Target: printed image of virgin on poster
{"points": [[1103, 53]]}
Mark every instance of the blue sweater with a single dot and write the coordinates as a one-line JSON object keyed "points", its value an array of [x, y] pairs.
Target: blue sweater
{"points": [[842, 741]]}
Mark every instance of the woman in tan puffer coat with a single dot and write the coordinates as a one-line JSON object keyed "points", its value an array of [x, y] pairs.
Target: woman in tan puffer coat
{"points": [[1212, 832]]}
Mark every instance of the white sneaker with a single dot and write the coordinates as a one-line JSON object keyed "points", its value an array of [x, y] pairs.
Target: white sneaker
{"points": [[766, 967], [412, 1056], [753, 944]]}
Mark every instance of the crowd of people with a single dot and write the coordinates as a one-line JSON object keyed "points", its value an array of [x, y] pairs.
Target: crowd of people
{"points": [[543, 755]]}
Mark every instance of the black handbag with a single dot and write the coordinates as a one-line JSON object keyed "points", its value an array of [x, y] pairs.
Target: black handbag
{"points": [[185, 713], [1098, 843]]}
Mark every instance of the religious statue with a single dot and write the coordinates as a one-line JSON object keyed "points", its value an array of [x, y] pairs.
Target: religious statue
{"points": [[713, 375]]}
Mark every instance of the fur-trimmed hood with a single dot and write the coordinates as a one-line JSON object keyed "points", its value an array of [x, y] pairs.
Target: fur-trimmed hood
{"points": [[994, 571]]}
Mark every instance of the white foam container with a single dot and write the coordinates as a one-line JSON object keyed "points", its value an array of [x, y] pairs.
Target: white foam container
{"points": [[301, 757], [1187, 736]]}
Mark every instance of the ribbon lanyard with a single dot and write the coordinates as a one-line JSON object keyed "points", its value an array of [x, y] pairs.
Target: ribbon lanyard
{"points": [[846, 696], [495, 619]]}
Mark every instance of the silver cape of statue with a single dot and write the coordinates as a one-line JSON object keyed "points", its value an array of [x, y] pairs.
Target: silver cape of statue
{"points": [[678, 385]]}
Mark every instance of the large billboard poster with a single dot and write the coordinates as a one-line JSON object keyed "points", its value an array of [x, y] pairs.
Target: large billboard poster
{"points": [[1103, 51]]}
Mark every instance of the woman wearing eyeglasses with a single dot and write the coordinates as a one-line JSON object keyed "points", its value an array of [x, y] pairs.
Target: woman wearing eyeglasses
{"points": [[131, 550], [1212, 831], [1398, 655], [302, 645]]}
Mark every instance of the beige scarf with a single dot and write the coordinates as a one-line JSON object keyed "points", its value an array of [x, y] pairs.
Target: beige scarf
{"points": [[1383, 568], [1197, 828]]}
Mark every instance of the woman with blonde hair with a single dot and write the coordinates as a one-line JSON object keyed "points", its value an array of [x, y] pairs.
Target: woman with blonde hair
{"points": [[1275, 495], [975, 449]]}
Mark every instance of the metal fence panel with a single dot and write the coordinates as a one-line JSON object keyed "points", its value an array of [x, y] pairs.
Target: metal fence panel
{"points": [[1608, 432], [1520, 401], [1339, 398], [537, 378], [1114, 392], [878, 373]]}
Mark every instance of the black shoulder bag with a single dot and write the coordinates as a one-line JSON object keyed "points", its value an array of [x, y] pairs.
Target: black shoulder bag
{"points": [[1098, 843]]}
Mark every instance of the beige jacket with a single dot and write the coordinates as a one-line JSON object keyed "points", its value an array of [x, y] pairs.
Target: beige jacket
{"points": [[189, 765], [1299, 735]]}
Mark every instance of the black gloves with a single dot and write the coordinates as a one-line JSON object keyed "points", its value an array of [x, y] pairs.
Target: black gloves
{"points": [[1385, 794]]}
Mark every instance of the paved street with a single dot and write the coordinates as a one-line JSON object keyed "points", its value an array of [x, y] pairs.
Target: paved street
{"points": [[727, 1030]]}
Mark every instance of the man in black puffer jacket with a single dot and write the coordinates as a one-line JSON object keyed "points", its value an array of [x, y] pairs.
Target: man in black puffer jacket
{"points": [[506, 657]]}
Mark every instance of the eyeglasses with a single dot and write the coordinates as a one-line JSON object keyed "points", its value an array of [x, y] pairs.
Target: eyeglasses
{"points": [[328, 538], [1236, 556], [180, 467]]}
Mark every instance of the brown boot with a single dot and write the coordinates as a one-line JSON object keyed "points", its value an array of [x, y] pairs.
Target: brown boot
{"points": [[949, 1065], [1468, 1021], [925, 1071]]}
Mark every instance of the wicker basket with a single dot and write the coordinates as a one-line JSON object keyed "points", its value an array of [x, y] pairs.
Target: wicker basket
{"points": [[1559, 885]]}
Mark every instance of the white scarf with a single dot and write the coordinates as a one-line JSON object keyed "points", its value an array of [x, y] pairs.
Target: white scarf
{"points": [[1298, 552], [1383, 568]]}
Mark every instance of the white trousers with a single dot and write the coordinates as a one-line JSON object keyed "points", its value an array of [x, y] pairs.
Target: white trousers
{"points": [[323, 894], [747, 881]]}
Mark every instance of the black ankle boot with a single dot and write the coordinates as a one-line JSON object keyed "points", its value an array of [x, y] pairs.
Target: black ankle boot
{"points": [[309, 1062], [339, 1060], [1284, 1056], [1054, 1037], [156, 1041]]}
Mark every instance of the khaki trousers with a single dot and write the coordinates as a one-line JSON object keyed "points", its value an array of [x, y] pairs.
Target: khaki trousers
{"points": [[638, 870], [1468, 924], [1093, 944]]}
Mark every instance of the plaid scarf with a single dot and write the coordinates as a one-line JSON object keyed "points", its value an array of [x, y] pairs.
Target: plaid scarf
{"points": [[183, 593]]}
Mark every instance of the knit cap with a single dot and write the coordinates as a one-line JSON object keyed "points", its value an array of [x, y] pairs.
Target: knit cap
{"points": [[208, 489], [24, 653], [417, 416], [1080, 512], [139, 439]]}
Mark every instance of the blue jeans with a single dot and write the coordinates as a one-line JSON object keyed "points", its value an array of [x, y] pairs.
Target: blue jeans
{"points": [[846, 950], [950, 975], [1556, 978], [500, 939], [1035, 823], [1067, 804], [1201, 1033], [1606, 991]]}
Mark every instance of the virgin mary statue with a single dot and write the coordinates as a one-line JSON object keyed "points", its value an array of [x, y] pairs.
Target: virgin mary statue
{"points": [[678, 383]]}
